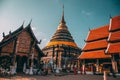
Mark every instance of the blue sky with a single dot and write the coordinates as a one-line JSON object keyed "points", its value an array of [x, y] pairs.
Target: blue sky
{"points": [[80, 15]]}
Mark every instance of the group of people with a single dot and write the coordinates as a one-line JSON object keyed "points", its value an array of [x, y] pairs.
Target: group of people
{"points": [[82, 70]]}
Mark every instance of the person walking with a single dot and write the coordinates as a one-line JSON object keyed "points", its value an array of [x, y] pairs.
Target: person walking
{"points": [[81, 70], [94, 69], [112, 71], [75, 70]]}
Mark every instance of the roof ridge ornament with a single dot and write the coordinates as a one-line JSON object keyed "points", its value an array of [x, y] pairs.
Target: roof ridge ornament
{"points": [[89, 29], [110, 16], [30, 22], [10, 32], [23, 23], [3, 34]]}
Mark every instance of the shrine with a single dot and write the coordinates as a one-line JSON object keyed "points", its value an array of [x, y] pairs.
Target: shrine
{"points": [[19, 51], [62, 51]]}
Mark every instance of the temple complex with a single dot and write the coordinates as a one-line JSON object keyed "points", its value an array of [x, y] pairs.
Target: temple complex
{"points": [[102, 48], [19, 51], [61, 51]]}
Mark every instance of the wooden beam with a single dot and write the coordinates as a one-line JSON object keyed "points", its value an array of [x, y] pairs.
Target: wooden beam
{"points": [[14, 51]]}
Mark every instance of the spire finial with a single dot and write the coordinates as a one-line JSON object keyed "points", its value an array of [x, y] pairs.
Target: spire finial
{"points": [[10, 32], [110, 16], [63, 20], [30, 22], [3, 34], [23, 23], [63, 11], [89, 29]]}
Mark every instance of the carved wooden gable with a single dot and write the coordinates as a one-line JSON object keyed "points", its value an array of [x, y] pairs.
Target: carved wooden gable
{"points": [[24, 40]]}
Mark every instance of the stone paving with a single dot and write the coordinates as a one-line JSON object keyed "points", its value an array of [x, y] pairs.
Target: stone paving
{"points": [[65, 77]]}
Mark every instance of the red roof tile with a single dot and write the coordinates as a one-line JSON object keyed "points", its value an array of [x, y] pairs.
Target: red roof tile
{"points": [[113, 48], [113, 36], [94, 55], [115, 23], [96, 45], [98, 33]]}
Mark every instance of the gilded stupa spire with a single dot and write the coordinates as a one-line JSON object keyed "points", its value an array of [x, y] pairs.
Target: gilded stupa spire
{"points": [[63, 20], [62, 24], [62, 37]]}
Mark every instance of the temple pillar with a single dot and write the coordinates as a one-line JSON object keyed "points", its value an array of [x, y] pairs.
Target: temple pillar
{"points": [[83, 67], [65, 58], [24, 67], [53, 53], [78, 64], [119, 63], [14, 64], [0, 51], [59, 64], [57, 70], [114, 64], [97, 65], [56, 58], [31, 65]]}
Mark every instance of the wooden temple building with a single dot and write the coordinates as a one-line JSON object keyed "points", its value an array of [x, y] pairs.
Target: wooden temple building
{"points": [[93, 53], [102, 47], [113, 47], [61, 51], [19, 51]]}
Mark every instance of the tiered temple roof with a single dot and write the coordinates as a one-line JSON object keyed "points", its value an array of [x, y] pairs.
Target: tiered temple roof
{"points": [[98, 33], [96, 43], [114, 23], [103, 40], [114, 36], [98, 54], [13, 35]]}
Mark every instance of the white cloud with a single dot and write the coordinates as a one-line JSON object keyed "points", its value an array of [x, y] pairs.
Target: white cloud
{"points": [[33, 28], [41, 36], [86, 12], [44, 39]]}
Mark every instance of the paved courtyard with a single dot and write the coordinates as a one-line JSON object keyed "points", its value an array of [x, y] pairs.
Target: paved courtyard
{"points": [[65, 77]]}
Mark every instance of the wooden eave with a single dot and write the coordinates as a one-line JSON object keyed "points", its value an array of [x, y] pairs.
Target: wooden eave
{"points": [[114, 36], [98, 33], [95, 45], [113, 48], [100, 54], [115, 24], [3, 43], [13, 34]]}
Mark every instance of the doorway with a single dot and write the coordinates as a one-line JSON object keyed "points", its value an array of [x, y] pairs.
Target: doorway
{"points": [[20, 62]]}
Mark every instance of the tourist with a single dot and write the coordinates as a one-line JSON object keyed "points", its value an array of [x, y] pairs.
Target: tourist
{"points": [[94, 69], [112, 71]]}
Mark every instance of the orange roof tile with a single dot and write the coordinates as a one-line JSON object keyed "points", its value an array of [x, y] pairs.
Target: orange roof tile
{"points": [[113, 36], [113, 48], [96, 45], [115, 23], [98, 33], [62, 42], [94, 55]]}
